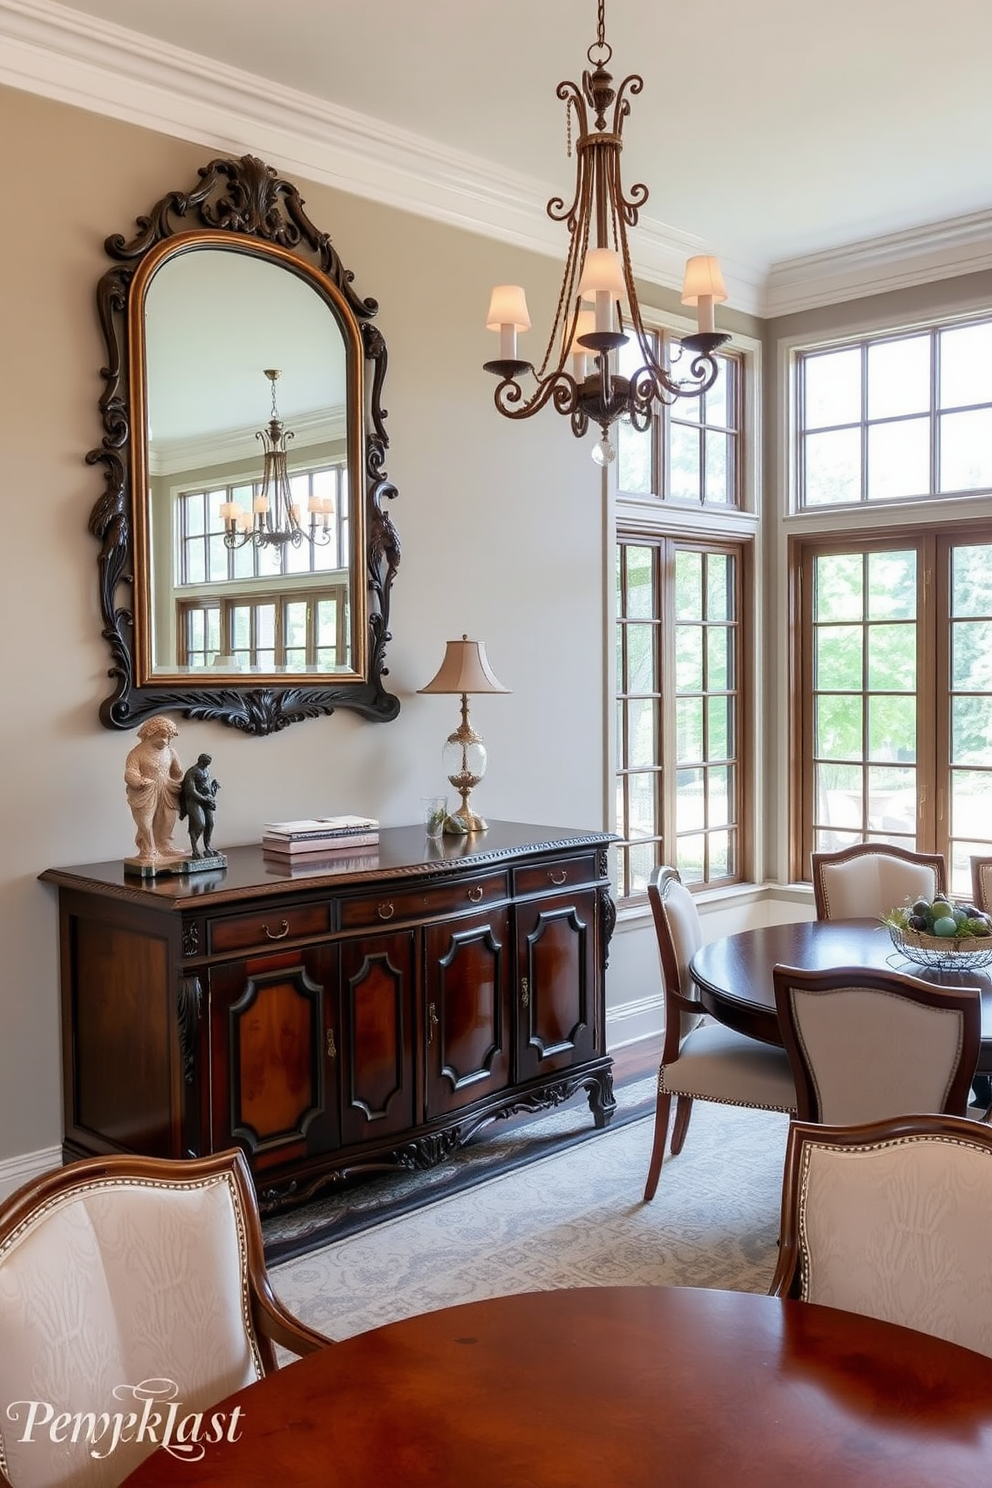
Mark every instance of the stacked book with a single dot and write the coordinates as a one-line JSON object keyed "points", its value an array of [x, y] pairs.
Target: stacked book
{"points": [[295, 840]]}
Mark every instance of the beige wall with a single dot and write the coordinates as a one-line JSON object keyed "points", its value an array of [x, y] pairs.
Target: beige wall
{"points": [[502, 530]]}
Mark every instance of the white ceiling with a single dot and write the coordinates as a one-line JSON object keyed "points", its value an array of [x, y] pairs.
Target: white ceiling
{"points": [[766, 130]]}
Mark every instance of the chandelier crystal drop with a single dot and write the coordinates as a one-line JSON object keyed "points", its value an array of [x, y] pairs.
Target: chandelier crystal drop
{"points": [[274, 520], [598, 312]]}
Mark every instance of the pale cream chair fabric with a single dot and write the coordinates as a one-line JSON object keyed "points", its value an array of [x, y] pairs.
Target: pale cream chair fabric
{"points": [[122, 1279], [892, 1220], [870, 878], [868, 1044], [701, 1060], [981, 883]]}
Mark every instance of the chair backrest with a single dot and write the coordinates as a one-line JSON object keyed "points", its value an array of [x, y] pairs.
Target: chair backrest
{"points": [[892, 1220], [117, 1274], [865, 1045], [981, 883], [679, 935], [870, 878]]}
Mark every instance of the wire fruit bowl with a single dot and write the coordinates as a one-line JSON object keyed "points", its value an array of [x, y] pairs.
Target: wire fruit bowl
{"points": [[943, 952]]}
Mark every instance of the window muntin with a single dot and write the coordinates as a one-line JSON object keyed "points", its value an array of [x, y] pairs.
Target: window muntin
{"points": [[899, 417], [895, 695], [305, 631], [691, 452], [679, 654]]}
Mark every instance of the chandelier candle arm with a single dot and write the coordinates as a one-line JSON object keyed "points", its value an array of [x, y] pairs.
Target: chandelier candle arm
{"points": [[598, 312]]}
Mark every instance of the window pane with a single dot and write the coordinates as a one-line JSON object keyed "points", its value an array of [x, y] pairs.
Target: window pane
{"points": [[833, 467], [838, 728], [717, 467], [718, 796], [218, 559], [640, 583], [899, 377], [641, 791], [717, 402], [839, 585], [688, 658], [966, 451], [634, 460], [688, 586], [689, 805], [193, 513], [892, 801], [971, 730], [971, 580], [718, 723], [966, 365], [833, 388], [689, 730], [892, 585], [839, 795], [891, 727], [196, 569], [971, 807], [643, 860], [839, 660], [719, 577], [718, 658], [971, 655], [642, 742], [641, 671], [892, 657], [690, 859], [899, 460], [684, 471]]}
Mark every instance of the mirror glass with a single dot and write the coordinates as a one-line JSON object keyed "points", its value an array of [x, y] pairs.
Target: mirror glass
{"points": [[216, 321]]}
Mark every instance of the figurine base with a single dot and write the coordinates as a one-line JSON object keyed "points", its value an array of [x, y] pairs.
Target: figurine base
{"points": [[180, 863]]}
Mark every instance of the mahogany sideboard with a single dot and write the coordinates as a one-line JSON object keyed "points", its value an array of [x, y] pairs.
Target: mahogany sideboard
{"points": [[369, 1010]]}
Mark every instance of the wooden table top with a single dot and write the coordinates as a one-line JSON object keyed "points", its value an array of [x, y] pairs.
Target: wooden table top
{"points": [[646, 1387], [734, 975]]}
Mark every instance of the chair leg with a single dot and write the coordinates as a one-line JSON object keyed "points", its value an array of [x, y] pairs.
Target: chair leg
{"points": [[683, 1110], [661, 1116]]}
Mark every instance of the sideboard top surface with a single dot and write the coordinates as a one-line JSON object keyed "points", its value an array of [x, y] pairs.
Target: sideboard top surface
{"points": [[401, 853]]}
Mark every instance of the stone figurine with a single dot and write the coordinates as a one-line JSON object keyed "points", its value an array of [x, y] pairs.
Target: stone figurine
{"points": [[153, 778], [197, 804]]}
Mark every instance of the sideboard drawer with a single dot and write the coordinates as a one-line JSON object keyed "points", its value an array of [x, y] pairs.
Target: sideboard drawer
{"points": [[417, 904], [557, 873], [263, 926]]}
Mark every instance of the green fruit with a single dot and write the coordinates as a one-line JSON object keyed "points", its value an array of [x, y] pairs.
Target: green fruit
{"points": [[940, 909], [959, 916], [945, 925]]}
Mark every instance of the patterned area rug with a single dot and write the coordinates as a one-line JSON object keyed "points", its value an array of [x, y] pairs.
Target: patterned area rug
{"points": [[496, 1149], [575, 1218]]}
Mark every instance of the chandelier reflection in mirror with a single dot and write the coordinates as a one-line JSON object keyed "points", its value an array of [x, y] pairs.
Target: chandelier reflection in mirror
{"points": [[590, 324], [274, 520]]}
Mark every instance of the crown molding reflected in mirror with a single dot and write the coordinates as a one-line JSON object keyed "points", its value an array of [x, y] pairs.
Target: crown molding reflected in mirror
{"points": [[211, 606]]}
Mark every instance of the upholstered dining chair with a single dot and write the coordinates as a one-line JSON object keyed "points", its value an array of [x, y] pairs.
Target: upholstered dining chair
{"points": [[981, 884], [892, 1219], [870, 878], [124, 1281], [701, 1060], [865, 1045]]}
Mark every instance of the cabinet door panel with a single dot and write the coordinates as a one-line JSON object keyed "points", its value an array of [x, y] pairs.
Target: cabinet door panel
{"points": [[273, 1066], [468, 1029], [557, 1015], [377, 992]]}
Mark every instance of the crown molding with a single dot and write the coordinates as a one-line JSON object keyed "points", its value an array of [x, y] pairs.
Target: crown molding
{"points": [[49, 49], [178, 456], [919, 255]]}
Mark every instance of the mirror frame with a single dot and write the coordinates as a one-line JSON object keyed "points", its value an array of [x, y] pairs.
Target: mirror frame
{"points": [[264, 214]]}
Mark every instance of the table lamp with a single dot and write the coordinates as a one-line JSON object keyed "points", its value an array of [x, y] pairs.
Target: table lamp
{"points": [[465, 669]]}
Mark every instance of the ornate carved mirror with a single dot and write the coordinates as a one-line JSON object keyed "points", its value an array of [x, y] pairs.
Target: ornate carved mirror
{"points": [[246, 556]]}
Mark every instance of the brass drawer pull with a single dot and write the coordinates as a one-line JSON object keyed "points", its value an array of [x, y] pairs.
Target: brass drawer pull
{"points": [[332, 1048], [524, 992], [431, 1022], [279, 934], [558, 877], [386, 910], [475, 894]]}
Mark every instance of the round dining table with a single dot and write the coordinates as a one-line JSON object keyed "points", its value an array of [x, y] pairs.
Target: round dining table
{"points": [[734, 975], [648, 1387]]}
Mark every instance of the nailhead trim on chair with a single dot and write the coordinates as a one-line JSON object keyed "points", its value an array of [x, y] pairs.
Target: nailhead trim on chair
{"points": [[719, 1100]]}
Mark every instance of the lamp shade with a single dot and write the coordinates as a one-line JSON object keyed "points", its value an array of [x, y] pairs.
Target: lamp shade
{"points": [[602, 274], [465, 668], [703, 277], [508, 307], [585, 324]]}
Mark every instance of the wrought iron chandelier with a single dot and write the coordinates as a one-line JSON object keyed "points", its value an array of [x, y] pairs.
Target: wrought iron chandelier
{"points": [[274, 520], [590, 325]]}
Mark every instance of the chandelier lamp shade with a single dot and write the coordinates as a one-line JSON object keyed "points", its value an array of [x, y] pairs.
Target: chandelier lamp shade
{"points": [[275, 518], [598, 311]]}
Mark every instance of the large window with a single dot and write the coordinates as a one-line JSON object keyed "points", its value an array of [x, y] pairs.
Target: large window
{"points": [[680, 654], [896, 417], [296, 632], [894, 702], [202, 557]]}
